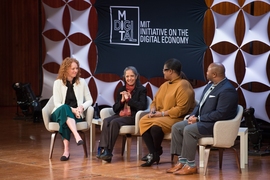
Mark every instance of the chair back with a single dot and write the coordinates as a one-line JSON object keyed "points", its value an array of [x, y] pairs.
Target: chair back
{"points": [[141, 113], [225, 132], [149, 101], [46, 112]]}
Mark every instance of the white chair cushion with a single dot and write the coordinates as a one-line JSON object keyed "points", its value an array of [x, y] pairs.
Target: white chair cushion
{"points": [[206, 141], [54, 126], [127, 130], [82, 126], [168, 136]]}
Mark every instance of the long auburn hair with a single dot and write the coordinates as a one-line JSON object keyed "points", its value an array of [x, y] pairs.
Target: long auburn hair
{"points": [[66, 63]]}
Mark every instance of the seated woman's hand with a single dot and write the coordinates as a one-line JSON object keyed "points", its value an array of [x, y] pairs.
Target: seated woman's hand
{"points": [[80, 110], [123, 99], [154, 113], [76, 112], [125, 95]]}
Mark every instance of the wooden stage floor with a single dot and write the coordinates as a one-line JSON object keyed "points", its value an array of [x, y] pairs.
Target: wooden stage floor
{"points": [[24, 152]]}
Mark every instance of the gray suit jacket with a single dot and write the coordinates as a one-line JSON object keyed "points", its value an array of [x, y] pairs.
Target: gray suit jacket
{"points": [[221, 104]]}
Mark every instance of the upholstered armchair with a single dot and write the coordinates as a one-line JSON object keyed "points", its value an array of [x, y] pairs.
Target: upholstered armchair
{"points": [[53, 127], [225, 133], [129, 130]]}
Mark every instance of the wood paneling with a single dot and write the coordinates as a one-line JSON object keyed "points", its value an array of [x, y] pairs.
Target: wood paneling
{"points": [[19, 47]]}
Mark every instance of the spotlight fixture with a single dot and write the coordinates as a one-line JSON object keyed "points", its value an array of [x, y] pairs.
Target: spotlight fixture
{"points": [[27, 101], [254, 133]]}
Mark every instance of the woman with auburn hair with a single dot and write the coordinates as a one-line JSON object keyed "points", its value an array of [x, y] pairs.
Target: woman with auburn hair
{"points": [[71, 97]]}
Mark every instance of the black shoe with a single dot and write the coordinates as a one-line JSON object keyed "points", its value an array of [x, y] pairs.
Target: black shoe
{"points": [[108, 160], [106, 155], [152, 158], [64, 158], [160, 152], [145, 158], [99, 152], [80, 142]]}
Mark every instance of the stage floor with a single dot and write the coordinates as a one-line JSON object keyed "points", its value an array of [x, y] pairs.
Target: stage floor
{"points": [[24, 152]]}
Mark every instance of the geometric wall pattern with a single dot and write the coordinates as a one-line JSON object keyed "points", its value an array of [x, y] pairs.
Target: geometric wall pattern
{"points": [[68, 29]]}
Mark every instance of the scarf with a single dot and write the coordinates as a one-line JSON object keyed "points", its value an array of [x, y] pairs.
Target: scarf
{"points": [[126, 110]]}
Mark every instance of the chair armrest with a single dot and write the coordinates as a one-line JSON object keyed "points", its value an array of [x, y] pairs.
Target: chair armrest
{"points": [[89, 115], [104, 113], [46, 117], [225, 131], [186, 117], [46, 113], [138, 116]]}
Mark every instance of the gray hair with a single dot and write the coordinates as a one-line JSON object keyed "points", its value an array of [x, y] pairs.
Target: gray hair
{"points": [[134, 70]]}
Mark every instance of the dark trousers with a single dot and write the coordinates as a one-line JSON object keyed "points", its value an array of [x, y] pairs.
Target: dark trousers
{"points": [[153, 138], [110, 129]]}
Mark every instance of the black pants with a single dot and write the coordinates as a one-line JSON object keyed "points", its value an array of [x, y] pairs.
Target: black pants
{"points": [[110, 129], [153, 138]]}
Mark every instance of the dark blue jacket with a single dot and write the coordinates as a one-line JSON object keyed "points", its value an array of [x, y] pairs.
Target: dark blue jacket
{"points": [[221, 104]]}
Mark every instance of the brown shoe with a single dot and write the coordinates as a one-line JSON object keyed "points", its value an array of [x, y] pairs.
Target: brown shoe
{"points": [[186, 170], [177, 167]]}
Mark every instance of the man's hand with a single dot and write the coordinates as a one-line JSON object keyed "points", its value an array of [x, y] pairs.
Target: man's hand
{"points": [[192, 119]]}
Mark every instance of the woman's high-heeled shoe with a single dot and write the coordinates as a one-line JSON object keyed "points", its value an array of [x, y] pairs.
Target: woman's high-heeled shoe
{"points": [[160, 152], [80, 142], [151, 159], [64, 158], [145, 158]]}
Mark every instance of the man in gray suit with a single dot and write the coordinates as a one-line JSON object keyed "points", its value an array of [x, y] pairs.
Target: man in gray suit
{"points": [[219, 101]]}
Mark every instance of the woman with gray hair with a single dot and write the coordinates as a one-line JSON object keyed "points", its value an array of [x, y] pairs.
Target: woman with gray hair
{"points": [[130, 98]]}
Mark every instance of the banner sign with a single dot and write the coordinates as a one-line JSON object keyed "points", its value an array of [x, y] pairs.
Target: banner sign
{"points": [[146, 33]]}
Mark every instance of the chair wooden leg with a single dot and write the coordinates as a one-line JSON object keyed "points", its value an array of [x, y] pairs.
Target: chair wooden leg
{"points": [[129, 140], [139, 147], [221, 150], [237, 160], [84, 144], [53, 137], [123, 144], [201, 155], [206, 157], [92, 138]]}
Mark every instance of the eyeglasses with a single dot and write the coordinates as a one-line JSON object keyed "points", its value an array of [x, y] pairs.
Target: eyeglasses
{"points": [[166, 69]]}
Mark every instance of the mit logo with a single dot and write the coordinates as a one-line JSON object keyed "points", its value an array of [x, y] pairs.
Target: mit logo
{"points": [[124, 25]]}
